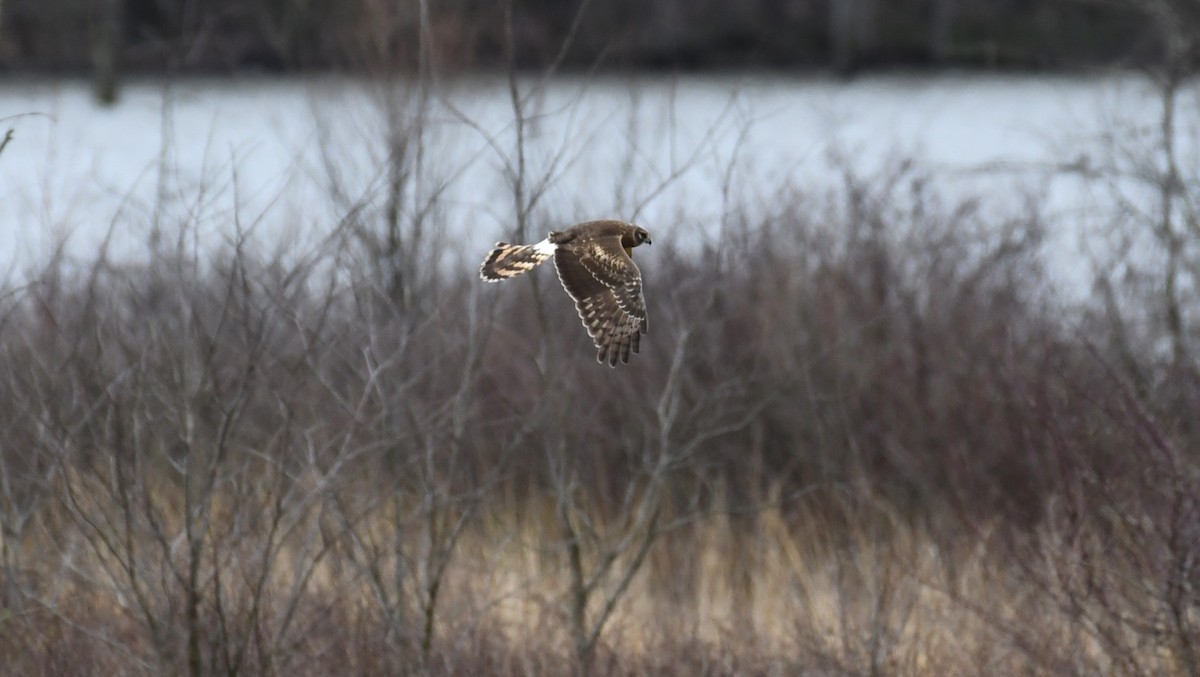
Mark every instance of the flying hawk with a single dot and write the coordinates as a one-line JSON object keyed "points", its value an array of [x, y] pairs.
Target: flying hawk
{"points": [[595, 265]]}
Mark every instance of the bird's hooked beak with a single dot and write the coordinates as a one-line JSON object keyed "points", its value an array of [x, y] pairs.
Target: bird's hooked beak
{"points": [[648, 240]]}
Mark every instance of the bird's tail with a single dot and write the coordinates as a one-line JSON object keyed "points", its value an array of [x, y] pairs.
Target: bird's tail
{"points": [[510, 260]]}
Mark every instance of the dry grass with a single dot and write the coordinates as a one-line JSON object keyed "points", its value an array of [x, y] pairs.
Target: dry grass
{"points": [[766, 594]]}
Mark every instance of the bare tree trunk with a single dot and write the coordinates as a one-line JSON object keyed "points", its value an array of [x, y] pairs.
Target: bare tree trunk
{"points": [[106, 50], [852, 31], [1176, 27], [942, 30], [1172, 240]]}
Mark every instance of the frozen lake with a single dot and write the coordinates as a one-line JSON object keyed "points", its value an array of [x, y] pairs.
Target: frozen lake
{"points": [[289, 158]]}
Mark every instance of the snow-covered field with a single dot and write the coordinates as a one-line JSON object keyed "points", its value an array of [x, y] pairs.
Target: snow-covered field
{"points": [[288, 158]]}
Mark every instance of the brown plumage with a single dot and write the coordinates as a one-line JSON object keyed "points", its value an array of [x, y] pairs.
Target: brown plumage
{"points": [[595, 265]]}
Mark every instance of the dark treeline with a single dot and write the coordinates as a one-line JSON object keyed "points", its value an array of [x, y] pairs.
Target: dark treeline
{"points": [[301, 35]]}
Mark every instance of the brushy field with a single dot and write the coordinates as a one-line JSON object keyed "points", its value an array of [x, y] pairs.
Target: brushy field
{"points": [[864, 436]]}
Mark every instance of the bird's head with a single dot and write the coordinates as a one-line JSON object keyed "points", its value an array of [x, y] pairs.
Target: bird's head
{"points": [[635, 236]]}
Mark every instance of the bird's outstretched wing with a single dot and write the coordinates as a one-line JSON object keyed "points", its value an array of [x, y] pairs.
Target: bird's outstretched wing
{"points": [[607, 288]]}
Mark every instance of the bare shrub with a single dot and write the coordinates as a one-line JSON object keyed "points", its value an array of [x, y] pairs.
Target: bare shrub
{"points": [[874, 443]]}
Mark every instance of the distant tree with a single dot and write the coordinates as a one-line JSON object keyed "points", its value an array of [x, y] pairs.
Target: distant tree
{"points": [[852, 32], [1149, 172], [941, 31], [108, 43]]}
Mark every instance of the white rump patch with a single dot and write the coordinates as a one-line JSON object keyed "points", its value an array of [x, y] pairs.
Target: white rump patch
{"points": [[545, 247]]}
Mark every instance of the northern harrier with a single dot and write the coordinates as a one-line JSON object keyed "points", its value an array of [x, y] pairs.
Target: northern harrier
{"points": [[595, 265]]}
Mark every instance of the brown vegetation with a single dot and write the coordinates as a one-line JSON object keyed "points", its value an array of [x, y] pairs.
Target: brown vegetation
{"points": [[863, 440]]}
